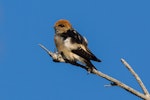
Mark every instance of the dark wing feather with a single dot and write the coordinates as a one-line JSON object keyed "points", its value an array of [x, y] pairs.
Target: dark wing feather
{"points": [[76, 37], [86, 55]]}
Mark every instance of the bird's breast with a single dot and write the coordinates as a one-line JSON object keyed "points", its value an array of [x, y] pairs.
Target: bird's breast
{"points": [[68, 44], [59, 43]]}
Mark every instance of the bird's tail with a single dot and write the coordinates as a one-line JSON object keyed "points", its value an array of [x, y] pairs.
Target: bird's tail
{"points": [[90, 66]]}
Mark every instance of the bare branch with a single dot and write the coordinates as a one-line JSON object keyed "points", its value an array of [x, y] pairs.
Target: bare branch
{"points": [[136, 76], [55, 56], [114, 82], [120, 84]]}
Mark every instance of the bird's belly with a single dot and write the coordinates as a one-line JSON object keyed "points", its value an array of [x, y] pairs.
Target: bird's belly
{"points": [[73, 57]]}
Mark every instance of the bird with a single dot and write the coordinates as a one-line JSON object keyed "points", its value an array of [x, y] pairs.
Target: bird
{"points": [[72, 46]]}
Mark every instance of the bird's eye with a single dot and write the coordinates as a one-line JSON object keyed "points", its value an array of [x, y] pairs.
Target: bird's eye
{"points": [[61, 25]]}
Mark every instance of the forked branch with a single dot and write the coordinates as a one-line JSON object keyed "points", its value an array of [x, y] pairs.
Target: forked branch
{"points": [[58, 58]]}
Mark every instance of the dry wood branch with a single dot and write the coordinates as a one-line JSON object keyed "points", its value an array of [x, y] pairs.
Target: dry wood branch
{"points": [[136, 76], [55, 56], [58, 58], [120, 84]]}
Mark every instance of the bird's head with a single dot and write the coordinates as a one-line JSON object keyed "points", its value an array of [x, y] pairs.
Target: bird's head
{"points": [[62, 26]]}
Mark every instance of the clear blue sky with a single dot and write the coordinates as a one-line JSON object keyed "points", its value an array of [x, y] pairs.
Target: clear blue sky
{"points": [[115, 29]]}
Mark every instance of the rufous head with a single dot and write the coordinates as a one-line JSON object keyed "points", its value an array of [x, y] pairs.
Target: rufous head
{"points": [[62, 26]]}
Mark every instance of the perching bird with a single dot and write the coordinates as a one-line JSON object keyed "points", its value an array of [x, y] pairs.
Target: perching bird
{"points": [[72, 46]]}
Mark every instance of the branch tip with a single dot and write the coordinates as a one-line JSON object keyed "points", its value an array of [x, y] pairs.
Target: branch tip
{"points": [[136, 76]]}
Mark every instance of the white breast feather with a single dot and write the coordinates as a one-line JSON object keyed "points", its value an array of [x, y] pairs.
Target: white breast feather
{"points": [[69, 45]]}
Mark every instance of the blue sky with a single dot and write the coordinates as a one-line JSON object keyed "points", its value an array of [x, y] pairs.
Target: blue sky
{"points": [[114, 28]]}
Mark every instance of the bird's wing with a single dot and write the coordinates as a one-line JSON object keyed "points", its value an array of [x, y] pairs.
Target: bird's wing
{"points": [[75, 37], [88, 55], [80, 44]]}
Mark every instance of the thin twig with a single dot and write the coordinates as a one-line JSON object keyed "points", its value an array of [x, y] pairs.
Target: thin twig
{"points": [[43, 47], [55, 56], [136, 76]]}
